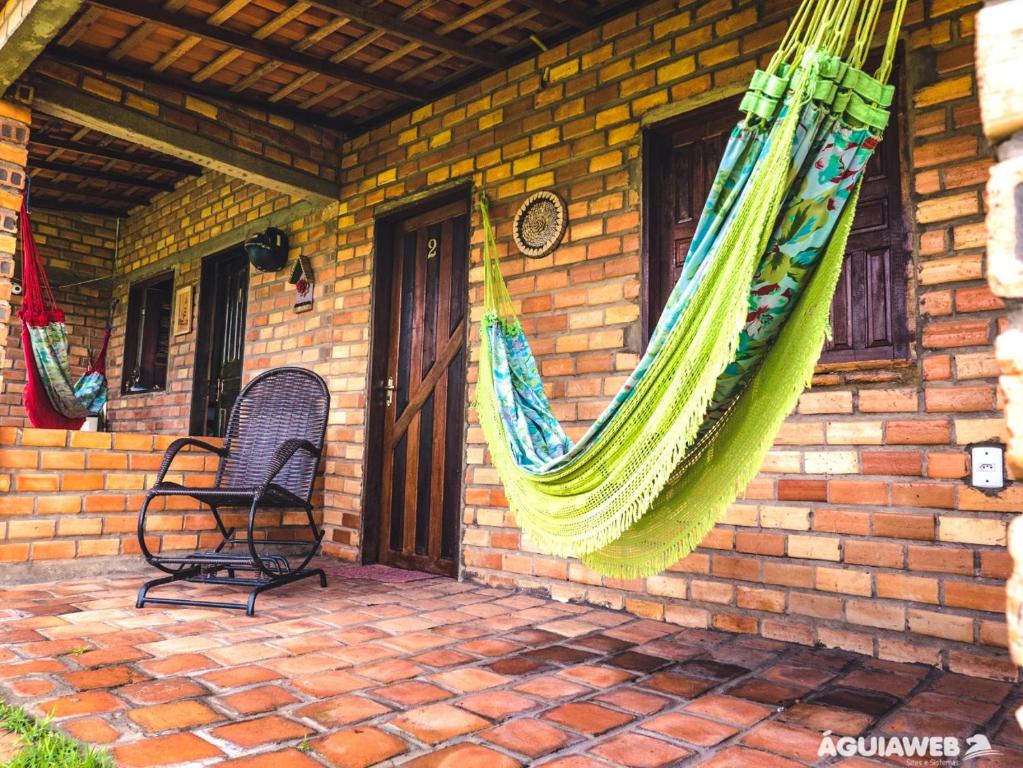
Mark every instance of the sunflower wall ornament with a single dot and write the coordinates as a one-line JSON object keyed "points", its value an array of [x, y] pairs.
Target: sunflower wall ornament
{"points": [[540, 224]]}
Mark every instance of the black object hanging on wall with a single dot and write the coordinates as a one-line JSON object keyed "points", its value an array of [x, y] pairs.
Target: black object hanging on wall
{"points": [[268, 251]]}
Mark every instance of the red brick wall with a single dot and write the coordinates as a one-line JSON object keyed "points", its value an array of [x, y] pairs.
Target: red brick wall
{"points": [[73, 249], [859, 533], [78, 494]]}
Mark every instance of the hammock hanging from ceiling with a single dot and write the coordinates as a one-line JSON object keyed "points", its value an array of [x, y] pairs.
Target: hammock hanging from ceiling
{"points": [[740, 334], [50, 398]]}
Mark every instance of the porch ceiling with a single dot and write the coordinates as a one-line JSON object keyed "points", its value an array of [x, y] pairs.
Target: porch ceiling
{"points": [[344, 63], [78, 170]]}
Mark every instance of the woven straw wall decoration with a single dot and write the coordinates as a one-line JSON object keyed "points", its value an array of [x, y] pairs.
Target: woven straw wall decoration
{"points": [[540, 224]]}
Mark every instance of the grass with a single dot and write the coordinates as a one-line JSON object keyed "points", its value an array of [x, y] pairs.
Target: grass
{"points": [[45, 747]]}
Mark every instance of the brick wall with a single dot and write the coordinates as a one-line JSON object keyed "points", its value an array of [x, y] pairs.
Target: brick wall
{"points": [[77, 494], [74, 249], [15, 120], [859, 533]]}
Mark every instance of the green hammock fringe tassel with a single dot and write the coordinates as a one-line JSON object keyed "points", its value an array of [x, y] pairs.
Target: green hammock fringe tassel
{"points": [[605, 495], [707, 484]]}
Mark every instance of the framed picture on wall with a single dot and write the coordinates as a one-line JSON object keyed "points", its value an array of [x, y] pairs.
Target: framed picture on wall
{"points": [[182, 310]]}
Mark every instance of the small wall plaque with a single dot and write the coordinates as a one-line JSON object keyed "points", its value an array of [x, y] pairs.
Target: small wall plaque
{"points": [[302, 279], [540, 224], [182, 310]]}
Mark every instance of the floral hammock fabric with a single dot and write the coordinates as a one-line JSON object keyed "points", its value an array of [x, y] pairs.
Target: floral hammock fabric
{"points": [[740, 334], [51, 400]]}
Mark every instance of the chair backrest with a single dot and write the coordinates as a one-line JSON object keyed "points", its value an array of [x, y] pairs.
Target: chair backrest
{"points": [[275, 406]]}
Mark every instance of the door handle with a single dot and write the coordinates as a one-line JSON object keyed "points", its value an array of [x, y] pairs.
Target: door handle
{"points": [[388, 389]]}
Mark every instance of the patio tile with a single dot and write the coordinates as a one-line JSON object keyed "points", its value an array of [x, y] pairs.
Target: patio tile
{"points": [[634, 700], [470, 679], [818, 718], [287, 758], [330, 683], [598, 677], [463, 755], [174, 716], [637, 751], [359, 747], [695, 730], [731, 710], [588, 718], [92, 730], [489, 689], [741, 757], [236, 677], [498, 705], [786, 740], [533, 738], [88, 703], [438, 722], [412, 693], [172, 665], [104, 677], [390, 671], [162, 691], [549, 687], [344, 710], [164, 750], [263, 730], [261, 699], [679, 685]]}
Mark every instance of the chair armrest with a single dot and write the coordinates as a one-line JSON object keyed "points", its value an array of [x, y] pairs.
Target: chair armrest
{"points": [[176, 446], [283, 454]]}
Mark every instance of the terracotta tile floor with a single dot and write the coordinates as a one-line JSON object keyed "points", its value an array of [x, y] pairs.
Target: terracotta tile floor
{"points": [[441, 673]]}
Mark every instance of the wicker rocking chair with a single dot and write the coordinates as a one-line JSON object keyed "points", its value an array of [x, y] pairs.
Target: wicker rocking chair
{"points": [[269, 459]]}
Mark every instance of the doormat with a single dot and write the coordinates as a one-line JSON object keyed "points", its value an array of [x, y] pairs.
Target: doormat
{"points": [[377, 572]]}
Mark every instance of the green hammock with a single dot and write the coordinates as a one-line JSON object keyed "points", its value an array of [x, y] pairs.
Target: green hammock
{"points": [[741, 332]]}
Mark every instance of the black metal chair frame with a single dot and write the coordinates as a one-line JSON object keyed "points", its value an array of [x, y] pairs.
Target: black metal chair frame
{"points": [[269, 571]]}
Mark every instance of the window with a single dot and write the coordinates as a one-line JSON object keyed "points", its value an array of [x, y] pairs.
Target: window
{"points": [[868, 314], [147, 336]]}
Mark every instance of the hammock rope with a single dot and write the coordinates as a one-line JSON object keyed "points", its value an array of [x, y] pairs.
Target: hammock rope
{"points": [[51, 399], [741, 331]]}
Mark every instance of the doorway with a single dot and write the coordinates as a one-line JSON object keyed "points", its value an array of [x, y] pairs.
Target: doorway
{"points": [[220, 344], [417, 410]]}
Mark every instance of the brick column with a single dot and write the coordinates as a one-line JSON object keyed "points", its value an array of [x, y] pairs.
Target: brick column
{"points": [[999, 62], [15, 119]]}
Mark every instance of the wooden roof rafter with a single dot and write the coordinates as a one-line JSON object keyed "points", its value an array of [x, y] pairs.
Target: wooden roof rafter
{"points": [[85, 172], [193, 26], [106, 153], [206, 92]]}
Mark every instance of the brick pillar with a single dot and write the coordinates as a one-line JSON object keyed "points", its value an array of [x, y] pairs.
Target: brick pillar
{"points": [[999, 63], [15, 119]]}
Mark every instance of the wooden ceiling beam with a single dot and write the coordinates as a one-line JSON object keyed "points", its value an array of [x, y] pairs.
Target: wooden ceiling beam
{"points": [[204, 91], [77, 106], [190, 25], [59, 206], [414, 34], [97, 195], [106, 153], [98, 175]]}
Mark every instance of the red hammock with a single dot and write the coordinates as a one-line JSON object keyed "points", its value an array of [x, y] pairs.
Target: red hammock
{"points": [[42, 326]]}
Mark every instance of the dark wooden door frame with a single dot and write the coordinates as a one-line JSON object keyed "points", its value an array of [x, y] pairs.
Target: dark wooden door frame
{"points": [[380, 343], [204, 346]]}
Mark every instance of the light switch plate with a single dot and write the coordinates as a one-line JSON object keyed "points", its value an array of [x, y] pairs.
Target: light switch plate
{"points": [[987, 466]]}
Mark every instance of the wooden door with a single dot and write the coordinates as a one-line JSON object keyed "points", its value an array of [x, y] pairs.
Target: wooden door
{"points": [[421, 391], [868, 312], [682, 160], [221, 341]]}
